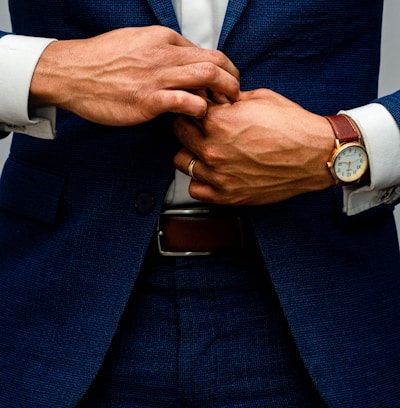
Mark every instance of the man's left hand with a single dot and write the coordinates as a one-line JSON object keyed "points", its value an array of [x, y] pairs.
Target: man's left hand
{"points": [[262, 149]]}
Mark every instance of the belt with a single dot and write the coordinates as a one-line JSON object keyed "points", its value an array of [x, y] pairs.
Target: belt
{"points": [[198, 231]]}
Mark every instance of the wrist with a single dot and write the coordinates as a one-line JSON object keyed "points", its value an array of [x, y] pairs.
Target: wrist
{"points": [[325, 142], [47, 86], [348, 163]]}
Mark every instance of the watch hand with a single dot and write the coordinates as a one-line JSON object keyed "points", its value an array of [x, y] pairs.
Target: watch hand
{"points": [[348, 164]]}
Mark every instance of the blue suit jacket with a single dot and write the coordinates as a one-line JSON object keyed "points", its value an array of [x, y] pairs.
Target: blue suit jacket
{"points": [[77, 213]]}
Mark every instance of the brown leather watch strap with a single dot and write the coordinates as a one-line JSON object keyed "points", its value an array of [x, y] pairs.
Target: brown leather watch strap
{"points": [[345, 129]]}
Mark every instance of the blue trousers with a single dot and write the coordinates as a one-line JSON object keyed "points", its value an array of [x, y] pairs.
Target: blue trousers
{"points": [[203, 332]]}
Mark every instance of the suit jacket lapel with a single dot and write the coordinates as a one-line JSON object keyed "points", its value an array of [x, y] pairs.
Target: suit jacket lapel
{"points": [[165, 13], [235, 9]]}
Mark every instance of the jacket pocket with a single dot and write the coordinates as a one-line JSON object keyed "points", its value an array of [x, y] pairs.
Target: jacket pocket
{"points": [[30, 192]]}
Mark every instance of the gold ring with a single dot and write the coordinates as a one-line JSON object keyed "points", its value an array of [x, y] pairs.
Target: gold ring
{"points": [[190, 168]]}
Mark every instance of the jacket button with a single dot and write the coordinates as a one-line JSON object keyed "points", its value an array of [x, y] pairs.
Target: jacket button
{"points": [[144, 203]]}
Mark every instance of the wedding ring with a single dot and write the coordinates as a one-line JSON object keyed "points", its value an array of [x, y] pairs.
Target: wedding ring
{"points": [[190, 168]]}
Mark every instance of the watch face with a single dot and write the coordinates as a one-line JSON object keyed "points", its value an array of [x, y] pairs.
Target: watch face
{"points": [[350, 163]]}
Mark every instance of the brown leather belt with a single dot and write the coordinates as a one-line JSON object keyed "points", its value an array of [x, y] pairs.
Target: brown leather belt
{"points": [[198, 231]]}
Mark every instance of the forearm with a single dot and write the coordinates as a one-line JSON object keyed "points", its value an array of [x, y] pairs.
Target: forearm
{"points": [[129, 76], [120, 78]]}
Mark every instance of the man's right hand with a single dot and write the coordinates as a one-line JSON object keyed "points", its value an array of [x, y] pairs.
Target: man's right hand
{"points": [[131, 75]]}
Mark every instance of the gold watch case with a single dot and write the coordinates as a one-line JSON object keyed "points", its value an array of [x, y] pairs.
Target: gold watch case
{"points": [[349, 162]]}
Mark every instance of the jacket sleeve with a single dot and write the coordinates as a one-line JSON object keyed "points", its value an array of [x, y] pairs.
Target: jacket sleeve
{"points": [[392, 104], [379, 123]]}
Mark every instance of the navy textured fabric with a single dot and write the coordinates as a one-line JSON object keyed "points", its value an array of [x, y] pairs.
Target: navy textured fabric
{"points": [[203, 332], [77, 214]]}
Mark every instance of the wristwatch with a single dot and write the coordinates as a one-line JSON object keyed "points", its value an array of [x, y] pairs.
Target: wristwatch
{"points": [[349, 160]]}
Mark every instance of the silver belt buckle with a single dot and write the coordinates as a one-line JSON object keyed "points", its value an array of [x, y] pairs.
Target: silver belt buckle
{"points": [[179, 211]]}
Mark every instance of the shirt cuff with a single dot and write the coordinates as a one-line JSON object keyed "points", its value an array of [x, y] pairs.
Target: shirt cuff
{"points": [[381, 137], [19, 55]]}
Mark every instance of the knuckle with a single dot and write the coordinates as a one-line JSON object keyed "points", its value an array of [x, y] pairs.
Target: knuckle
{"points": [[219, 57], [220, 181], [208, 71], [170, 100], [177, 99], [263, 93], [162, 35], [212, 120], [163, 31], [210, 156]]}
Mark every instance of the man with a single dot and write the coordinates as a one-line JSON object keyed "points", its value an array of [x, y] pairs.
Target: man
{"points": [[292, 298]]}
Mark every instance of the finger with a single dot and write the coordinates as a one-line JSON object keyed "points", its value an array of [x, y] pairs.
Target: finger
{"points": [[204, 192], [184, 51], [201, 92], [177, 101], [219, 98], [194, 54], [188, 163], [201, 75], [204, 55], [183, 160], [179, 40], [200, 187]]}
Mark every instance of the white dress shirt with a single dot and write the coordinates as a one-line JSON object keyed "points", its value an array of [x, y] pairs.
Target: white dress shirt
{"points": [[200, 22]]}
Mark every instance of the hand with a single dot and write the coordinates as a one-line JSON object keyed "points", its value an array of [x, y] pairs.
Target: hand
{"points": [[130, 75], [261, 149]]}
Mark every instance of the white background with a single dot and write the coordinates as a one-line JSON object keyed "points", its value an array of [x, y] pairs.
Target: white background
{"points": [[390, 67]]}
